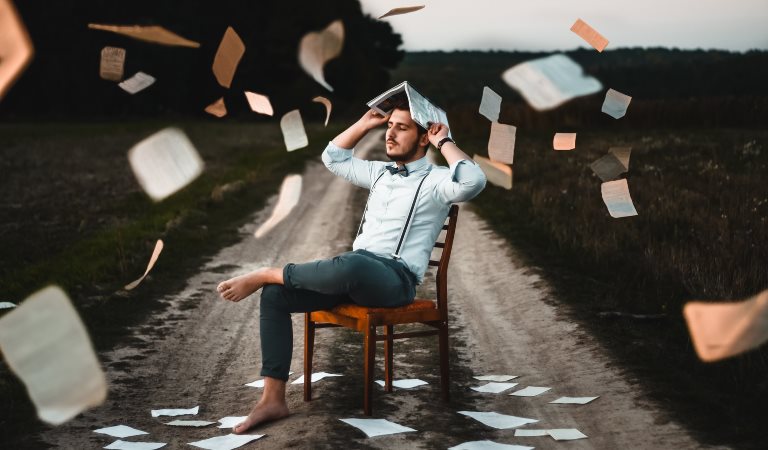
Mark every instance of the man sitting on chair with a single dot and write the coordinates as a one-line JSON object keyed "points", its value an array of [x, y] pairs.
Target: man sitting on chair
{"points": [[407, 206]]}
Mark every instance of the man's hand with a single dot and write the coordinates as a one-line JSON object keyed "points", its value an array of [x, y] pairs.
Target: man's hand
{"points": [[351, 136], [371, 119], [436, 132]]}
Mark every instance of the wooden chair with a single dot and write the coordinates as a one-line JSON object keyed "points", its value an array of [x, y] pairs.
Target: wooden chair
{"points": [[366, 320]]}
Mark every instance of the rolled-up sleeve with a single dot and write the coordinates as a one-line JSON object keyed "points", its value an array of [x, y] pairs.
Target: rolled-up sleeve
{"points": [[355, 170], [465, 182]]}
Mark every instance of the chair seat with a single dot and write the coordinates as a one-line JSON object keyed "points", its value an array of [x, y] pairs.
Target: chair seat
{"points": [[360, 312]]}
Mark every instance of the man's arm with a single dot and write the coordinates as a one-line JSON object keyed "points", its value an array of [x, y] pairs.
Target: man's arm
{"points": [[351, 136], [338, 158], [467, 178]]}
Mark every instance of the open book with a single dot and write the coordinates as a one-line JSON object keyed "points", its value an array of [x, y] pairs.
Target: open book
{"points": [[423, 111]]}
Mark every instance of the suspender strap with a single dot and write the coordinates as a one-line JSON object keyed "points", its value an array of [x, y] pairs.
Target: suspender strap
{"points": [[396, 255], [370, 192]]}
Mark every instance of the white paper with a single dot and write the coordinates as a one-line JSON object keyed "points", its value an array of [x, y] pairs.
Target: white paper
{"points": [[315, 377], [495, 172], [622, 154], [328, 107], [125, 445], [228, 56], [489, 445], [566, 434], [190, 423], [376, 427], [404, 384], [590, 35], [165, 162], [423, 111], [231, 421], [615, 104], [496, 420], [490, 105], [494, 387], [293, 131], [574, 400], [608, 167], [564, 141], [46, 345], [501, 144], [15, 46], [112, 63], [530, 391], [499, 378], [153, 33], [228, 442], [6, 305], [317, 48], [259, 103], [529, 433], [290, 193], [150, 265], [217, 108], [546, 83], [617, 199], [401, 10], [175, 412], [120, 431], [260, 383], [137, 83]]}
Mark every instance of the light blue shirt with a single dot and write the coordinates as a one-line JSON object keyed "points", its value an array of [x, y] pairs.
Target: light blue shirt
{"points": [[392, 197]]}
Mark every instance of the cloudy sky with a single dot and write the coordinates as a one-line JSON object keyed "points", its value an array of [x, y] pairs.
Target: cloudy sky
{"points": [[737, 25]]}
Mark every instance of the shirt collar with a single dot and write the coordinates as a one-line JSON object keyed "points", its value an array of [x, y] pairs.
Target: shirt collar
{"points": [[417, 165]]}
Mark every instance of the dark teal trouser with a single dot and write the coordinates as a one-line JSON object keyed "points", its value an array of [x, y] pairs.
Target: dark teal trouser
{"points": [[354, 277]]}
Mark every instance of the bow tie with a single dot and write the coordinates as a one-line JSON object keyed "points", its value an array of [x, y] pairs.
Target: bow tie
{"points": [[395, 170]]}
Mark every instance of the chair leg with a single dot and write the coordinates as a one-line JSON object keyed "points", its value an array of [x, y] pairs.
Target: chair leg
{"points": [[388, 358], [370, 356], [444, 370], [309, 344]]}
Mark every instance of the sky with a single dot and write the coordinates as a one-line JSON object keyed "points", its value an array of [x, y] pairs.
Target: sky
{"points": [[543, 25]]}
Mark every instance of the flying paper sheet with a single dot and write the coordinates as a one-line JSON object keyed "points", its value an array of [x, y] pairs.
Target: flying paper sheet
{"points": [[231, 421], [564, 141], [490, 105], [217, 108], [315, 377], [402, 10], [317, 48], [496, 420], [155, 34], [721, 330], [137, 83], [499, 378], [530, 391], [290, 192], [609, 167], [622, 154], [404, 384], [590, 35], [228, 442], [566, 434], [165, 162], [496, 173], [46, 345], [120, 431], [494, 387], [6, 305], [574, 400], [152, 261], [175, 412], [112, 63], [259, 103], [616, 104], [617, 199], [15, 46], [376, 427], [501, 144], [293, 131], [488, 445], [190, 423], [551, 81], [231, 50], [328, 107], [125, 445]]}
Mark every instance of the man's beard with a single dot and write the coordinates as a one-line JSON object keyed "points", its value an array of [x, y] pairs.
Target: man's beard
{"points": [[405, 156]]}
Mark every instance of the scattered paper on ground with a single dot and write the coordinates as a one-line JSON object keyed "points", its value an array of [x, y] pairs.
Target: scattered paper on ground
{"points": [[590, 35], [496, 420], [231, 421], [156, 34], [290, 193], [721, 330], [404, 384], [566, 434], [112, 63], [6, 305], [488, 445], [615, 104], [574, 400], [499, 378], [228, 442], [152, 261], [530, 433], [609, 167], [494, 387], [259, 103], [165, 162], [46, 345], [15, 46], [328, 107], [617, 199], [260, 383], [125, 445], [317, 48], [564, 141], [190, 423], [217, 108], [490, 105], [120, 431], [530, 391], [402, 10], [501, 144], [175, 412], [293, 131], [230, 51], [315, 377], [376, 427], [551, 81], [496, 173], [137, 83]]}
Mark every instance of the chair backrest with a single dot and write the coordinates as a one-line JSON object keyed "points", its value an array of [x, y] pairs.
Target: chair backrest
{"points": [[441, 279]]}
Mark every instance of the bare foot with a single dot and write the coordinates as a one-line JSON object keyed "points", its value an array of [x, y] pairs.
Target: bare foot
{"points": [[236, 289], [264, 411]]}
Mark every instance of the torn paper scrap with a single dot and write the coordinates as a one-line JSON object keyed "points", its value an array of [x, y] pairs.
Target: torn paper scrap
{"points": [[175, 412], [608, 167], [228, 55], [165, 162], [617, 199], [6, 305], [615, 104], [546, 83], [377, 427], [120, 431], [404, 384], [499, 378], [622, 154], [137, 83], [227, 442], [231, 421], [488, 445], [490, 105], [315, 377], [590, 35], [501, 144], [293, 131], [496, 420], [256, 384], [46, 345], [401, 10], [217, 108], [530, 391], [125, 445], [721, 330], [564, 141], [154, 34], [15, 46], [566, 434], [317, 48], [190, 423], [328, 107], [574, 400], [290, 192], [525, 432], [496, 173], [152, 261], [494, 387], [259, 103], [112, 63]]}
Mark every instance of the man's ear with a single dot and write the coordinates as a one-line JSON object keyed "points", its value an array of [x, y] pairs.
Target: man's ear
{"points": [[424, 141]]}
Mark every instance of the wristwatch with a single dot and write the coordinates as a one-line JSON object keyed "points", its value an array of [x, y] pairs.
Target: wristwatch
{"points": [[443, 141]]}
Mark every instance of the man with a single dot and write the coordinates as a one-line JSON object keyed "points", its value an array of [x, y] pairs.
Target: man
{"points": [[407, 206]]}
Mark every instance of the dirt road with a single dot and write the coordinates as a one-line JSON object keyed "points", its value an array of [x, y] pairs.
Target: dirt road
{"points": [[201, 351]]}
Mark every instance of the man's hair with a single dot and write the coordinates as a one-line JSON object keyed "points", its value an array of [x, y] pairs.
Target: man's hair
{"points": [[403, 105]]}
